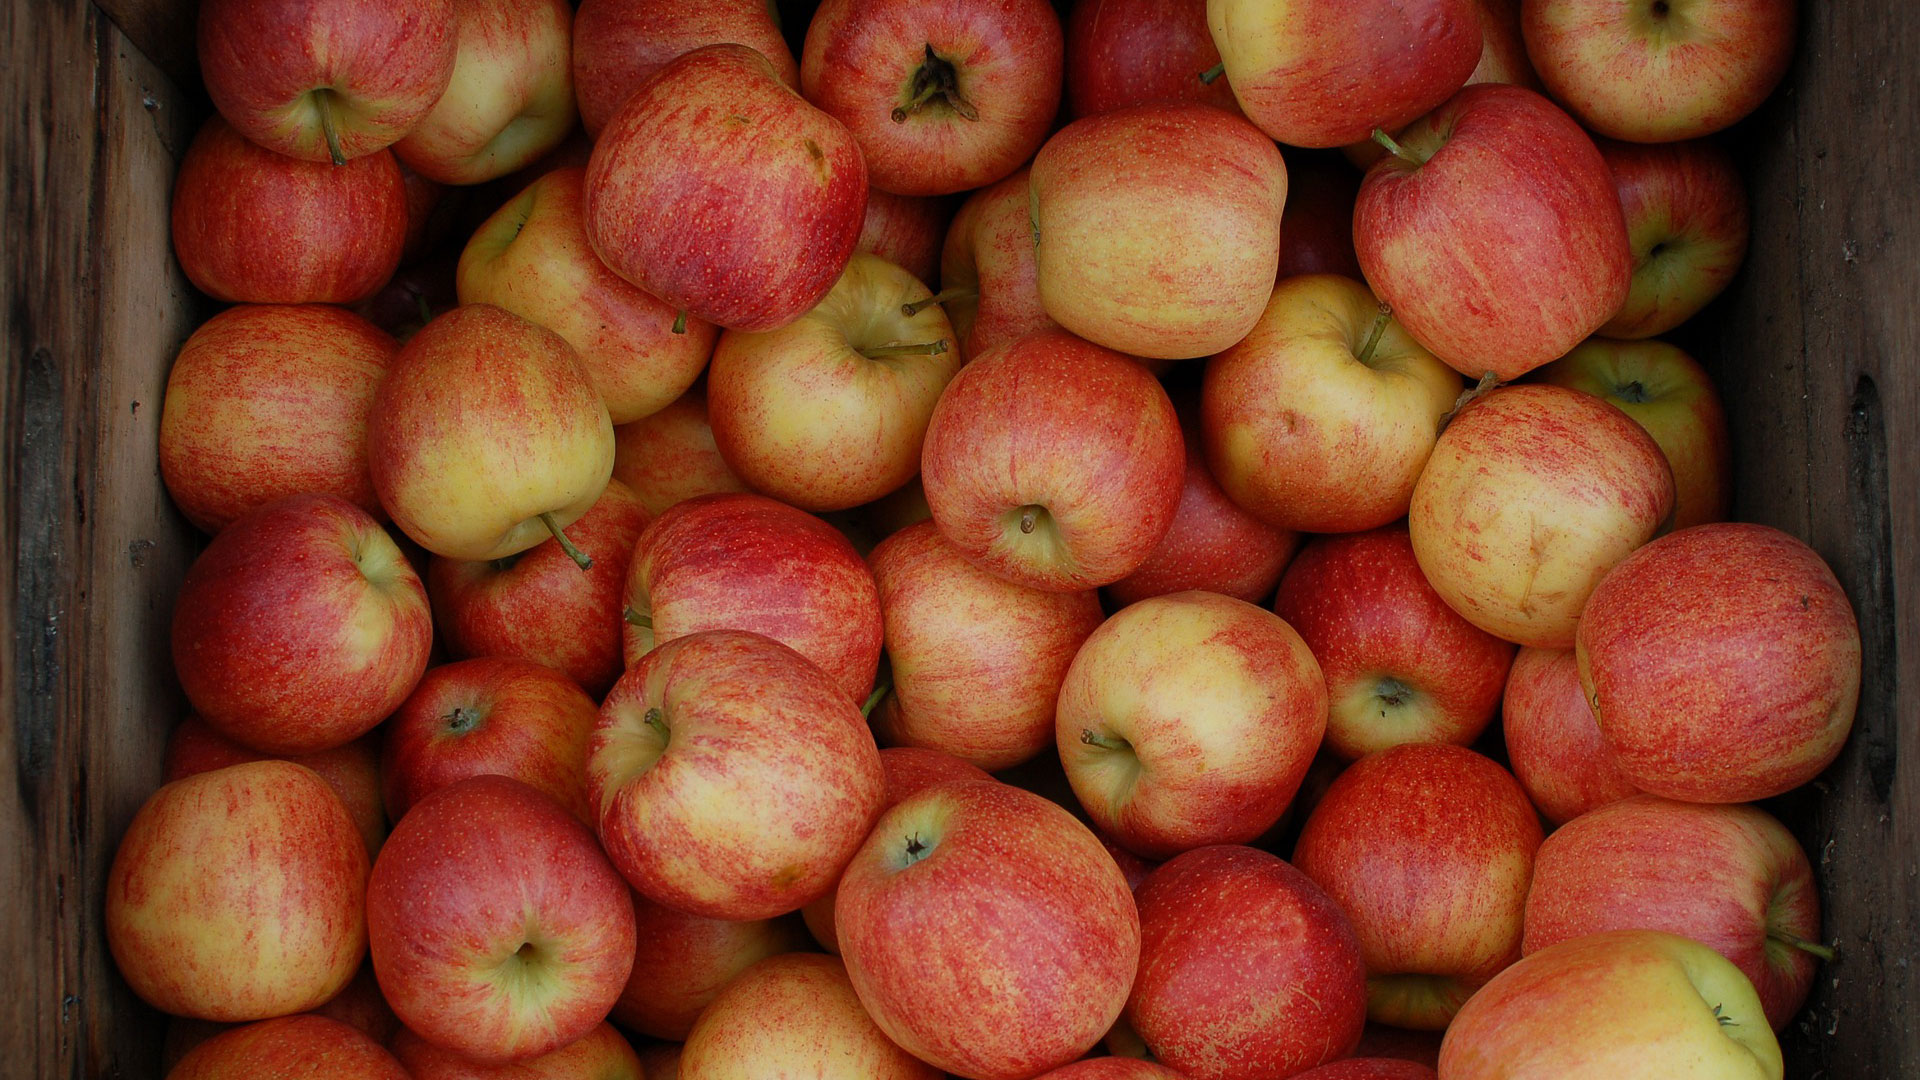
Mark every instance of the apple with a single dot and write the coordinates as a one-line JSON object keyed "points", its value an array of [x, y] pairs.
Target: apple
{"points": [[1157, 228], [1401, 666], [671, 455], [601, 1054], [1369, 1068], [719, 190], [1637, 1003], [352, 770], [618, 43], [681, 962], [325, 80], [829, 411], [966, 890], [1322, 417], [300, 627], [236, 894], [413, 297], [905, 230], [359, 1006], [269, 400], [1112, 1068], [1189, 719], [538, 606], [1316, 228], [987, 268], [1553, 742], [1401, 1044], [1687, 224], [747, 562], [942, 97], [1319, 73], [431, 212], [254, 227], [1531, 496], [1429, 850], [661, 1060], [511, 96], [1730, 876], [498, 929], [1122, 53], [1494, 232], [486, 437], [1722, 662], [1671, 70], [533, 258], [794, 1015], [732, 777], [1054, 463], [1247, 969], [291, 1048]]}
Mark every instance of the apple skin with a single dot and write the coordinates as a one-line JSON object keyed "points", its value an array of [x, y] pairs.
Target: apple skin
{"points": [[1122, 53], [721, 191], [533, 258], [989, 252], [291, 1048], [1670, 395], [1316, 228], [747, 562], [864, 62], [671, 456], [906, 231], [1112, 1068], [1054, 463], [236, 894], [1676, 72], [1687, 223], [1156, 229], [756, 793], [1531, 496], [1722, 662], [1438, 240], [1729, 876], [1358, 1068], [602, 1054], [794, 1015], [967, 887], [1188, 720], [1637, 1003], [1316, 74], [359, 1006], [681, 962], [804, 413], [618, 43], [271, 400], [510, 100], [485, 422], [1401, 666], [1553, 742], [1247, 969], [265, 64], [497, 926], [351, 770], [253, 227], [1305, 435], [300, 627], [1429, 850], [538, 605]]}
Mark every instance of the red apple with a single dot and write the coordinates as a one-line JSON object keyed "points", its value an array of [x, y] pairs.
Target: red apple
{"points": [[325, 80], [1687, 224], [987, 268], [1429, 849], [1248, 970], [1112, 1068], [498, 929], [601, 1054], [943, 97], [732, 777], [794, 1015], [1369, 1068], [671, 455], [722, 192], [538, 606], [253, 227], [1729, 876], [1722, 662], [1553, 742], [681, 962], [290, 1048], [746, 562], [968, 890], [236, 894], [1494, 232], [351, 770], [1122, 53], [618, 43], [1401, 666], [300, 627], [510, 100], [1054, 463], [1316, 228], [1156, 229], [906, 231]]}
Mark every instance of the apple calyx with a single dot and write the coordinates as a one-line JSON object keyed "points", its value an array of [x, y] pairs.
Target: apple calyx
{"points": [[1392, 693], [637, 618], [914, 850], [1795, 941], [579, 557], [935, 79], [1634, 392], [1212, 74], [1394, 148], [680, 322], [462, 720], [941, 297], [1374, 333], [323, 103], [925, 348]]}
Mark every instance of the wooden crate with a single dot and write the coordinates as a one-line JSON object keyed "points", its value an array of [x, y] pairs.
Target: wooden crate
{"points": [[1817, 351]]}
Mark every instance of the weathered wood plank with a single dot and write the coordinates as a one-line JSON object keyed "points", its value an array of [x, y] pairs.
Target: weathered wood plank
{"points": [[163, 32]]}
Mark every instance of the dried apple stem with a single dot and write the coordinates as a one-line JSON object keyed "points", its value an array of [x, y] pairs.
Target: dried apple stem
{"points": [[880, 691], [323, 101], [644, 622], [925, 348], [1785, 937], [1397, 150], [579, 557], [944, 296], [1212, 74], [1374, 334]]}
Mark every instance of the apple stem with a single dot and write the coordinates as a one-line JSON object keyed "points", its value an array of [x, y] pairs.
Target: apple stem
{"points": [[1787, 937], [323, 101], [1212, 74], [1397, 150], [644, 622], [1374, 334], [1487, 382], [941, 297], [1104, 742], [579, 557], [935, 78], [925, 348], [1029, 520], [680, 323], [880, 690], [657, 720]]}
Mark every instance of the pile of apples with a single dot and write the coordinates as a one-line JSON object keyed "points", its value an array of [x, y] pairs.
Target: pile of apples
{"points": [[1215, 498]]}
